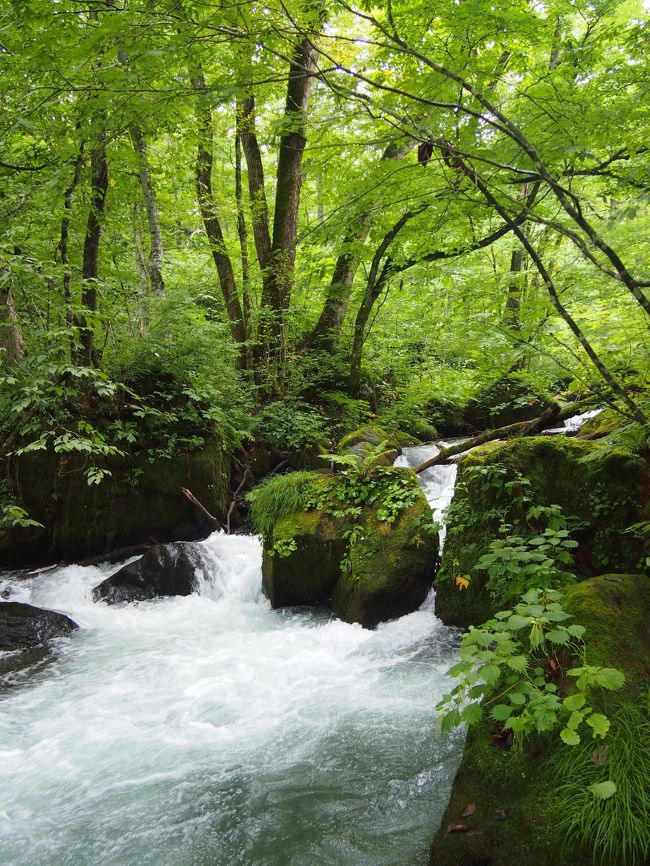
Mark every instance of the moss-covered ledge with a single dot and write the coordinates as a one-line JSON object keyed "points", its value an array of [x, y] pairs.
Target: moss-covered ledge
{"points": [[515, 810], [603, 487]]}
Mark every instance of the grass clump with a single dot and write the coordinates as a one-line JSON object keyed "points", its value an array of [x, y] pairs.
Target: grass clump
{"points": [[615, 829], [277, 497]]}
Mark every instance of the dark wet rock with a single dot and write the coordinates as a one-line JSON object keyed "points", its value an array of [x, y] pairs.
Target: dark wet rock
{"points": [[166, 569], [23, 626]]}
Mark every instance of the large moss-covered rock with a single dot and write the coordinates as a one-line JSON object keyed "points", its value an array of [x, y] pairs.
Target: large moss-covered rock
{"points": [[503, 402], [605, 488], [360, 565], [520, 784], [140, 501]]}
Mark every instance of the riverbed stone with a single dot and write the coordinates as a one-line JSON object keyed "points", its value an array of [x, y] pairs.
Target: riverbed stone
{"points": [[363, 568], [604, 488], [165, 570], [24, 626]]}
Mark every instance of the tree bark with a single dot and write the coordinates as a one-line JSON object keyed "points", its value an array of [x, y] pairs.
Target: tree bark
{"points": [[278, 277], [11, 338], [155, 261], [207, 206], [327, 330], [256, 188], [521, 428], [243, 244], [90, 260], [64, 241]]}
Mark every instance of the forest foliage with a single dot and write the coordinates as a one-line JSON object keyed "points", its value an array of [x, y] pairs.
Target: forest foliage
{"points": [[279, 219]]}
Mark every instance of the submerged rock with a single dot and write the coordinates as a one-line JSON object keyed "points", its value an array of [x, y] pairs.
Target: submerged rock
{"points": [[362, 566], [166, 569]]}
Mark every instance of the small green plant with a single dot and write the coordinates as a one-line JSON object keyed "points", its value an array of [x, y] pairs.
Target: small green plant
{"points": [[514, 562], [509, 667], [278, 496], [284, 547], [602, 798], [14, 515]]}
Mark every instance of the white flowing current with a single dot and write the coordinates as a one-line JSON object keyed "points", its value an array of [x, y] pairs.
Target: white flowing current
{"points": [[213, 731]]}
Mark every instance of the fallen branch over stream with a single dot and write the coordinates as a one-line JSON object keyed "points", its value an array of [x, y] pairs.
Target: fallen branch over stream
{"points": [[550, 416]]}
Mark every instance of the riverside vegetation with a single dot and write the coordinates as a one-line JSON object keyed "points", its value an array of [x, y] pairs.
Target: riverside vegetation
{"points": [[233, 234]]}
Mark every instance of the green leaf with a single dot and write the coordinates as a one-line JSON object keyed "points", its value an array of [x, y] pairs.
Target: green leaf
{"points": [[574, 702], [570, 737], [610, 678], [501, 712], [450, 721], [599, 723], [603, 790], [558, 636], [472, 714], [576, 630]]}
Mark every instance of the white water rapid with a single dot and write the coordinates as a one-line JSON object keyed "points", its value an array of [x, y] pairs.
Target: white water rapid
{"points": [[213, 731]]}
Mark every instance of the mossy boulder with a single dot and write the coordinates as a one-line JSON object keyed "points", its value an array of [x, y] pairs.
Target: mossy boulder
{"points": [[364, 441], [515, 812], [605, 488], [503, 402], [140, 501], [601, 424], [366, 564]]}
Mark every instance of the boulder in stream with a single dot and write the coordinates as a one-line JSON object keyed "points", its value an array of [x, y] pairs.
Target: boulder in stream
{"points": [[604, 489], [26, 633], [166, 569], [367, 564]]}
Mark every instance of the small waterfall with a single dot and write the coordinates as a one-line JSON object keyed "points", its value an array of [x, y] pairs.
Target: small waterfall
{"points": [[438, 482]]}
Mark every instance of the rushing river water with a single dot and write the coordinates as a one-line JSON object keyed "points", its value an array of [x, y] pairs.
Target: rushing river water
{"points": [[213, 731]]}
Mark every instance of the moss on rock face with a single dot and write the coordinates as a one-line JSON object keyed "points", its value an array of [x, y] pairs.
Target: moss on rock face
{"points": [[366, 563], [140, 501], [614, 608], [604, 487]]}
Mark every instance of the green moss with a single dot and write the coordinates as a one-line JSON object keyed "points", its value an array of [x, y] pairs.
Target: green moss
{"points": [[142, 499], [367, 561], [615, 610], [605, 488]]}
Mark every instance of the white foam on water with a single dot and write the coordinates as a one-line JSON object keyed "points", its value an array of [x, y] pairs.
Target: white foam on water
{"points": [[210, 730]]}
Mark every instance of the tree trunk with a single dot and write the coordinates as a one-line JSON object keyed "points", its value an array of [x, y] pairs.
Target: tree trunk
{"points": [[327, 331], [90, 260], [64, 241], [204, 159], [155, 262], [12, 345], [243, 244], [256, 188], [278, 277], [521, 428]]}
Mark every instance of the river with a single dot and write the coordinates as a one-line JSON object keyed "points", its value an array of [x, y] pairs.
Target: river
{"points": [[211, 730]]}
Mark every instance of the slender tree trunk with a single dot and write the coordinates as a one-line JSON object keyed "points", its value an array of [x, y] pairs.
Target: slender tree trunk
{"points": [[278, 277], [256, 188], [12, 345], [327, 331], [155, 261], [90, 260], [243, 244], [64, 243], [207, 206]]}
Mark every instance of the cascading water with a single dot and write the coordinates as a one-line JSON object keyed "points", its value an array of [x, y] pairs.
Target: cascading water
{"points": [[212, 731]]}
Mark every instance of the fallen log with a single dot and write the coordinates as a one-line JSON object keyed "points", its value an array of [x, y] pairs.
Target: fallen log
{"points": [[522, 428]]}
